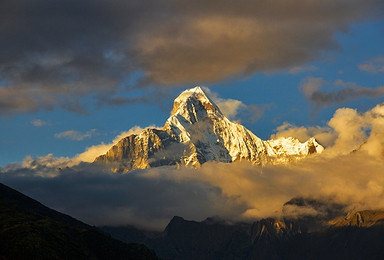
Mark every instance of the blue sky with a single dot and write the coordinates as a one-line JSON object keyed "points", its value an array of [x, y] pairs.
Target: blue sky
{"points": [[350, 53]]}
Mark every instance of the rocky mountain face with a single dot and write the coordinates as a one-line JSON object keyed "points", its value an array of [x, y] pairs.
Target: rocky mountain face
{"points": [[212, 238], [285, 238], [197, 132], [361, 218]]}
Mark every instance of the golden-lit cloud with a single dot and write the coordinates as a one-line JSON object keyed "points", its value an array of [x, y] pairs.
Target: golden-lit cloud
{"points": [[354, 180], [350, 128], [375, 143], [325, 135], [346, 131], [236, 191], [349, 172], [94, 151], [216, 43]]}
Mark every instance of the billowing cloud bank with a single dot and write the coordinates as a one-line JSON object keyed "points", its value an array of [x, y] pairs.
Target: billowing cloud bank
{"points": [[237, 191], [347, 131], [58, 52]]}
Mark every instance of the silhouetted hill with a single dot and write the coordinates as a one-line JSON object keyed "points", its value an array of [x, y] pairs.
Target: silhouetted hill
{"points": [[29, 230], [264, 239]]}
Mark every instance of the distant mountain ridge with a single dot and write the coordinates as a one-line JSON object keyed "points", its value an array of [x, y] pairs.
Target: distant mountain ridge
{"points": [[198, 132], [268, 238]]}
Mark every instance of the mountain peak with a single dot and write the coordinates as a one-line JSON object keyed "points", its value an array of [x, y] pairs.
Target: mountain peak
{"points": [[196, 89], [197, 132], [194, 97]]}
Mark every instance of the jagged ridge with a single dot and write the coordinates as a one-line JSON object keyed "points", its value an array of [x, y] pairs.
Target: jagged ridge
{"points": [[197, 132]]}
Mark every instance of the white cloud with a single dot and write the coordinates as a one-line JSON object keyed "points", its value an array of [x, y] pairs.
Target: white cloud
{"points": [[38, 122], [87, 156], [347, 131], [325, 135], [75, 135], [375, 143], [231, 108], [94, 151], [349, 126]]}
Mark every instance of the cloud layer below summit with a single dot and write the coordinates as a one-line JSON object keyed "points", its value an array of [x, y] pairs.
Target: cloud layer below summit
{"points": [[237, 191]]}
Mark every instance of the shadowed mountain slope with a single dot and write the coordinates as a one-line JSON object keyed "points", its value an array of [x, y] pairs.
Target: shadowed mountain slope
{"points": [[29, 230], [264, 239]]}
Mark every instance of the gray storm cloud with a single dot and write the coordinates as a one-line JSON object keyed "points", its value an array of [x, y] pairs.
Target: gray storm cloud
{"points": [[56, 53]]}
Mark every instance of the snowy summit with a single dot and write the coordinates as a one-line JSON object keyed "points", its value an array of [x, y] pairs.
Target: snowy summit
{"points": [[197, 132]]}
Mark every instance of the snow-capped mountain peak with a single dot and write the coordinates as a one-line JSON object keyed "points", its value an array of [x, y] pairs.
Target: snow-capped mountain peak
{"points": [[193, 105], [192, 111], [197, 132], [193, 96]]}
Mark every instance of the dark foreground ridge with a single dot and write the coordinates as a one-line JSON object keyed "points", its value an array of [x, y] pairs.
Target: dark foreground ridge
{"points": [[29, 230], [264, 239]]}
